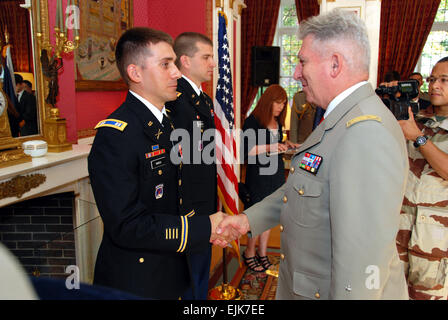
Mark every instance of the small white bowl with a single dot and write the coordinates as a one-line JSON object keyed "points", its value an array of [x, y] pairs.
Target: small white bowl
{"points": [[35, 148]]}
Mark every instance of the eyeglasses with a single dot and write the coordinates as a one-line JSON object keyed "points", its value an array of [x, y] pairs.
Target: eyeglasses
{"points": [[433, 80]]}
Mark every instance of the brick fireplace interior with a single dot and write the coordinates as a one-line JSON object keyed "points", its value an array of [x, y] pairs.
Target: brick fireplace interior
{"points": [[40, 233]]}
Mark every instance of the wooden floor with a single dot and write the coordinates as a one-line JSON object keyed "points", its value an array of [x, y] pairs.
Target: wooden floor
{"points": [[274, 242]]}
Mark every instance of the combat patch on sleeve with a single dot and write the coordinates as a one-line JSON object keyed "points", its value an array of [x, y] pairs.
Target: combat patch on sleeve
{"points": [[363, 118], [112, 123]]}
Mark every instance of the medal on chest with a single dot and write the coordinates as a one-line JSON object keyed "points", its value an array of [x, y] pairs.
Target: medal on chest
{"points": [[310, 162]]}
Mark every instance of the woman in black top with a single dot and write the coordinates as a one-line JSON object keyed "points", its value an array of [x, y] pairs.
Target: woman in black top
{"points": [[262, 142]]}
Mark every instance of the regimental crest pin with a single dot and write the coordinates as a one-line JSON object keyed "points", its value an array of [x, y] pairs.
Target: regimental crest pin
{"points": [[159, 191]]}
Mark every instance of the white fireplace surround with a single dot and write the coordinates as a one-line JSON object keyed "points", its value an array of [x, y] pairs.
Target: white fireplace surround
{"points": [[57, 173]]}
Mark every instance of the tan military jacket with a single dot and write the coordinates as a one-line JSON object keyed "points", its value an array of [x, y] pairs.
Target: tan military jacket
{"points": [[423, 237], [339, 224], [302, 118]]}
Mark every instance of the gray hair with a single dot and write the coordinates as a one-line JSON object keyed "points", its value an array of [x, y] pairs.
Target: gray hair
{"points": [[335, 26]]}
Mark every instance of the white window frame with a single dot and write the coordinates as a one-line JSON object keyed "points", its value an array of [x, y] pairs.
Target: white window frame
{"points": [[436, 26], [280, 32]]}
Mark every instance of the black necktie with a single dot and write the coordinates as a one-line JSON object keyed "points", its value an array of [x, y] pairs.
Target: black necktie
{"points": [[166, 122]]}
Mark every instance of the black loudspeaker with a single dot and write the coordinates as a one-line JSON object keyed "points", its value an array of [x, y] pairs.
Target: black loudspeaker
{"points": [[265, 66]]}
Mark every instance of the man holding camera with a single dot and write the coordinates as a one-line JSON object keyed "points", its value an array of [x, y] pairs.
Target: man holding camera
{"points": [[423, 237]]}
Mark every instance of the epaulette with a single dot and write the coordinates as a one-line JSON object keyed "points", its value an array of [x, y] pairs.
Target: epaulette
{"points": [[112, 123], [362, 118]]}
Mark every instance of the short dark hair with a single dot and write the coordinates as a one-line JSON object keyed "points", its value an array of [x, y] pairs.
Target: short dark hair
{"points": [[392, 76], [445, 59], [28, 83], [415, 74], [185, 44], [18, 78], [133, 45]]}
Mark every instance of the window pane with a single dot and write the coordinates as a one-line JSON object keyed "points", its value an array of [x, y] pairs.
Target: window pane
{"points": [[442, 13], [436, 47], [289, 16]]}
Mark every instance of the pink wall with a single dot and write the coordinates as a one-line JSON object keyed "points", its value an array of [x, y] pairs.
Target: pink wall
{"points": [[177, 16], [83, 110]]}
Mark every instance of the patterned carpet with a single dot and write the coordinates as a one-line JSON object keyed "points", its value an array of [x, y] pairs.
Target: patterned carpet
{"points": [[257, 285]]}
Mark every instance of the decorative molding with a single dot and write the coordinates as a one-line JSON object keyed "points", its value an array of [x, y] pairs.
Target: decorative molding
{"points": [[13, 157], [18, 186]]}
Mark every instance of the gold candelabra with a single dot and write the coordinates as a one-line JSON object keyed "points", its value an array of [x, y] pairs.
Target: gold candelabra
{"points": [[51, 62], [62, 44]]}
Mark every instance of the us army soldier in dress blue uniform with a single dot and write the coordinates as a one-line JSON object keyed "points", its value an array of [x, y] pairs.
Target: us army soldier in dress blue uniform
{"points": [[148, 230], [193, 111], [340, 207]]}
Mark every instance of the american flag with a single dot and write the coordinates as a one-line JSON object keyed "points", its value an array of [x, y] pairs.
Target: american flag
{"points": [[225, 120]]}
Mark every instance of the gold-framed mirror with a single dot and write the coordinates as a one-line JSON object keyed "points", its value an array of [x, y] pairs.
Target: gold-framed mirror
{"points": [[51, 128]]}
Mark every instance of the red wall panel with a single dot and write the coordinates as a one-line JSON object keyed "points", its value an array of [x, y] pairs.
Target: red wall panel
{"points": [[83, 110]]}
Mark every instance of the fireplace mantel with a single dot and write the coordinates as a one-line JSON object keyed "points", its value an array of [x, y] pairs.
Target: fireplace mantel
{"points": [[54, 171], [57, 173]]}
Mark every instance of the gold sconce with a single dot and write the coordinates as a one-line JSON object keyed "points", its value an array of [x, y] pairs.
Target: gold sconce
{"points": [[55, 129]]}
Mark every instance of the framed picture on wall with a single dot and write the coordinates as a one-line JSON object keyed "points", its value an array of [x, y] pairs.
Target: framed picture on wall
{"points": [[101, 24]]}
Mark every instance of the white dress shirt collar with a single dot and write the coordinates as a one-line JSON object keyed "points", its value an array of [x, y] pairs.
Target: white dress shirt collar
{"points": [[197, 89], [19, 95], [155, 111], [344, 94]]}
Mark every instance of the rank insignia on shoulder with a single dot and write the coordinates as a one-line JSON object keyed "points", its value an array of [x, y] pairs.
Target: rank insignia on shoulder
{"points": [[112, 123], [362, 118], [178, 93], [310, 162]]}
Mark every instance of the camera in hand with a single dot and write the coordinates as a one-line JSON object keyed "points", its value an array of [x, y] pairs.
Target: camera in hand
{"points": [[398, 98]]}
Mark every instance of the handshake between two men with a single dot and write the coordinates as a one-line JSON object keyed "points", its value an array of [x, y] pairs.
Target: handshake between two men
{"points": [[226, 228]]}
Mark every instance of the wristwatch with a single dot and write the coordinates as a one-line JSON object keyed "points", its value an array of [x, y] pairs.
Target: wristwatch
{"points": [[420, 141]]}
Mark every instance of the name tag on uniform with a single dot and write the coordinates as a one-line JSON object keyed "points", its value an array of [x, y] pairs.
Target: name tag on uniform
{"points": [[310, 162], [157, 163]]}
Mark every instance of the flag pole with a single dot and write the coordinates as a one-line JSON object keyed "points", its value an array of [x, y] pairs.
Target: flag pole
{"points": [[225, 291], [227, 180]]}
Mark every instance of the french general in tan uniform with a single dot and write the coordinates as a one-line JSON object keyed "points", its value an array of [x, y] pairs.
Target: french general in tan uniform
{"points": [[339, 221]]}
